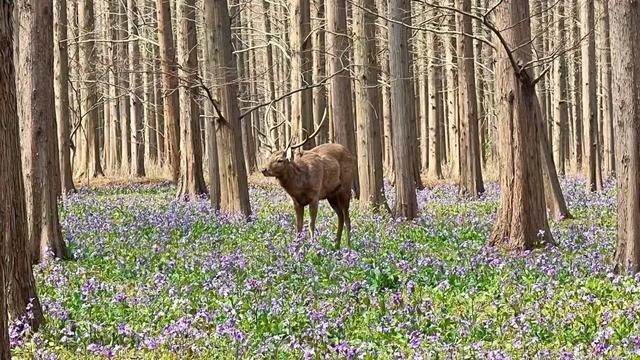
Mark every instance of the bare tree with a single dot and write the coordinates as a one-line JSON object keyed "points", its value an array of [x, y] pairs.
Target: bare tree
{"points": [[435, 138], [135, 87], [61, 89], [401, 111], [625, 65], [470, 156], [368, 106], [34, 80], [191, 181], [169, 87], [234, 189], [301, 62], [560, 114], [589, 105], [521, 220], [338, 56]]}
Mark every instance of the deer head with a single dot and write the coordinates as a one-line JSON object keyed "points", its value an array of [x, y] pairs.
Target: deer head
{"points": [[279, 161]]}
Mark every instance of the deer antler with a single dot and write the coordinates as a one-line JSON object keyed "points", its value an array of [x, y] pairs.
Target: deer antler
{"points": [[315, 133]]}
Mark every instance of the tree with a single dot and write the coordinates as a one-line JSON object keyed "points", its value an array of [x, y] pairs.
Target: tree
{"points": [[435, 138], [88, 93], [17, 276], [625, 65], [338, 56], [169, 86], [560, 115], [368, 106], [401, 110], [607, 103], [470, 156], [234, 189], [191, 180], [521, 220], [61, 89], [9, 163], [34, 81], [135, 88], [589, 105], [301, 62]]}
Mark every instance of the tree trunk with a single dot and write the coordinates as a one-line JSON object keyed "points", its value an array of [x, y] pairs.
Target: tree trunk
{"points": [[191, 181], [16, 276], [625, 65], [135, 88], [448, 43], [319, 71], [589, 105], [234, 189], [521, 219], [435, 138], [577, 91], [301, 62], [213, 162], [169, 87], [470, 156], [368, 107], [406, 203], [61, 89], [607, 103], [124, 105], [112, 153], [34, 81], [341, 102], [89, 88], [560, 119]]}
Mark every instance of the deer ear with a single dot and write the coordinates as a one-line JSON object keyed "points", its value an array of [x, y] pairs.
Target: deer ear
{"points": [[289, 154]]}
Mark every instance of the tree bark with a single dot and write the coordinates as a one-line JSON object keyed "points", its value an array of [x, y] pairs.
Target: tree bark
{"points": [[319, 71], [607, 103], [34, 81], [301, 62], [470, 156], [61, 89], [368, 107], [234, 189], [89, 88], [15, 246], [435, 138], [169, 87], [560, 115], [191, 181], [135, 89], [625, 65], [338, 55], [589, 105], [521, 220], [406, 203]]}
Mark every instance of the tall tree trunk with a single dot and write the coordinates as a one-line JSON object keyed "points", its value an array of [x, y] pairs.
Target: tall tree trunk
{"points": [[399, 12], [589, 105], [191, 181], [112, 153], [560, 118], [89, 88], [470, 156], [16, 276], [301, 62], [123, 93], [451, 103], [234, 189], [34, 81], [368, 107], [435, 138], [338, 54], [169, 87], [158, 109], [521, 219], [607, 103], [625, 65], [135, 88], [319, 70], [61, 89]]}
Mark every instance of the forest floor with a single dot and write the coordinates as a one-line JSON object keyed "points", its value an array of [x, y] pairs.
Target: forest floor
{"points": [[155, 277]]}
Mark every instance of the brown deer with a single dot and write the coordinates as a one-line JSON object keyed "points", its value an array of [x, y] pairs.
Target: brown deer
{"points": [[324, 172]]}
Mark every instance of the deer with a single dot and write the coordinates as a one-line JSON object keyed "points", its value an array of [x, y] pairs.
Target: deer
{"points": [[324, 172]]}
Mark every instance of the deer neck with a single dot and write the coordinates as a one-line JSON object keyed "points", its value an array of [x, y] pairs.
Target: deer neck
{"points": [[290, 178]]}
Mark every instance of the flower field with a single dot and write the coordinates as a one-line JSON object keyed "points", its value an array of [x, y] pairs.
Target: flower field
{"points": [[158, 278]]}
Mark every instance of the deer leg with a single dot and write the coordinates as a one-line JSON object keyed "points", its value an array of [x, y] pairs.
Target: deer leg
{"points": [[344, 207], [299, 217], [335, 206], [313, 213]]}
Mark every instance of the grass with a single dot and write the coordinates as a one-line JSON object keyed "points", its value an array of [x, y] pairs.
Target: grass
{"points": [[165, 279]]}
